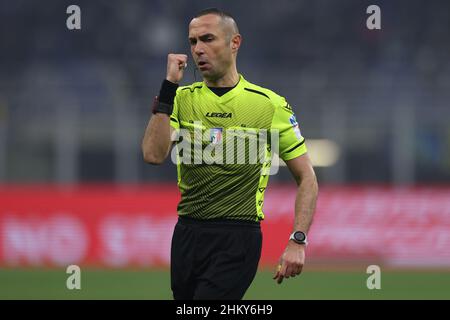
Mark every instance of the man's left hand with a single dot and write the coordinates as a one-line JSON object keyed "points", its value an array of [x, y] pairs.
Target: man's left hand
{"points": [[291, 261]]}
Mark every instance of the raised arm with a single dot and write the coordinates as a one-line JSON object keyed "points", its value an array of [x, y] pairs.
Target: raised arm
{"points": [[157, 141]]}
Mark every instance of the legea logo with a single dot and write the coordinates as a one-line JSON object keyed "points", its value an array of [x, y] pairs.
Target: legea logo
{"points": [[219, 114]]}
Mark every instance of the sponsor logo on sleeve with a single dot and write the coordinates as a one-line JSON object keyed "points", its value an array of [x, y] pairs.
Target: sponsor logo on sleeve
{"points": [[295, 127]]}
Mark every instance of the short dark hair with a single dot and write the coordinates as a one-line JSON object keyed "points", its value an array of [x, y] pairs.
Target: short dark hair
{"points": [[215, 11], [218, 12]]}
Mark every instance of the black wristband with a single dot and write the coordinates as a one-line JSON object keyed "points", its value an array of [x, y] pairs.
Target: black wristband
{"points": [[160, 107], [167, 92], [164, 102]]}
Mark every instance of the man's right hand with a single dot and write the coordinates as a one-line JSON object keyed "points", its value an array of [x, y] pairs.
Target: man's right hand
{"points": [[175, 66]]}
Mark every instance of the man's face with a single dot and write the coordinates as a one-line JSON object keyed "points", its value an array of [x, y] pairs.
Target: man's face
{"points": [[210, 46]]}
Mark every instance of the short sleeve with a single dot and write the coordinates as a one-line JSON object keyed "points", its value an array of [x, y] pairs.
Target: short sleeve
{"points": [[290, 140], [174, 121]]}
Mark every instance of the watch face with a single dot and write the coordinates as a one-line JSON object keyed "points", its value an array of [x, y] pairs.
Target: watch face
{"points": [[299, 236]]}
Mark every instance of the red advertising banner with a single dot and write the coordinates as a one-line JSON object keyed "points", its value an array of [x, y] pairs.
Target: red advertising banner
{"points": [[121, 226]]}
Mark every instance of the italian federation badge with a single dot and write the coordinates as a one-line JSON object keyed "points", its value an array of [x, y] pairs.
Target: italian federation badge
{"points": [[215, 135]]}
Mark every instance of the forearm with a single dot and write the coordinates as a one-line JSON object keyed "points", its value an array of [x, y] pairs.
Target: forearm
{"points": [[157, 141], [293, 258], [305, 203]]}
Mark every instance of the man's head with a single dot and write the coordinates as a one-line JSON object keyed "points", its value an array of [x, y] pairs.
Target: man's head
{"points": [[215, 40]]}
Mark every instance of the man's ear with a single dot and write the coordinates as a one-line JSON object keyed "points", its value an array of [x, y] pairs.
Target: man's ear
{"points": [[236, 42]]}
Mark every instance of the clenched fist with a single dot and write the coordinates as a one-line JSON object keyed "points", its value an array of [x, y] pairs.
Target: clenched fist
{"points": [[175, 66]]}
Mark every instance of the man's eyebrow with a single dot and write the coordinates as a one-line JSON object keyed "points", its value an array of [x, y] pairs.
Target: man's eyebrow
{"points": [[203, 36]]}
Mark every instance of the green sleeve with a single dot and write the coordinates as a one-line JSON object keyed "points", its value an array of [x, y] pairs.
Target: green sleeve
{"points": [[174, 121], [291, 142]]}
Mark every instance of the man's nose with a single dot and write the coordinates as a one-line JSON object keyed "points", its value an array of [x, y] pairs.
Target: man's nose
{"points": [[198, 49]]}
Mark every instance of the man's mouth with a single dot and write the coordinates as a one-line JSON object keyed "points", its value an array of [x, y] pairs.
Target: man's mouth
{"points": [[202, 64]]}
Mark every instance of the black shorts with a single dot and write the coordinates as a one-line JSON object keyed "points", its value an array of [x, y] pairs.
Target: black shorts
{"points": [[214, 259]]}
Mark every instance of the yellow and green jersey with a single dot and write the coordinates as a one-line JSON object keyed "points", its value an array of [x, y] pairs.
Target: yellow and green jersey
{"points": [[225, 182]]}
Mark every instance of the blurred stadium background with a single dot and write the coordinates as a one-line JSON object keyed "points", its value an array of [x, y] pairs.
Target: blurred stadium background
{"points": [[373, 105]]}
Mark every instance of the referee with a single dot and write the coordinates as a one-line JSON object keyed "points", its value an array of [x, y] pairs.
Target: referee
{"points": [[216, 244]]}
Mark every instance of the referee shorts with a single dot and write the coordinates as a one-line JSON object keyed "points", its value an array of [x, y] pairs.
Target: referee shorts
{"points": [[214, 259]]}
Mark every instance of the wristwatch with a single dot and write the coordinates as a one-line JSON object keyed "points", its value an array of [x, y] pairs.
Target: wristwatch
{"points": [[299, 237]]}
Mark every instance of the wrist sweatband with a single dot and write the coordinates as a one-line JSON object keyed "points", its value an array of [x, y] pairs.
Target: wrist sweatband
{"points": [[164, 102]]}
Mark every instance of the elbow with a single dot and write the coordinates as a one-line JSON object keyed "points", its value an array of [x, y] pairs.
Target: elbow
{"points": [[308, 178], [151, 158], [314, 183]]}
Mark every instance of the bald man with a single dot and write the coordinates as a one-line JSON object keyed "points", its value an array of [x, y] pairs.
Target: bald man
{"points": [[216, 244]]}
